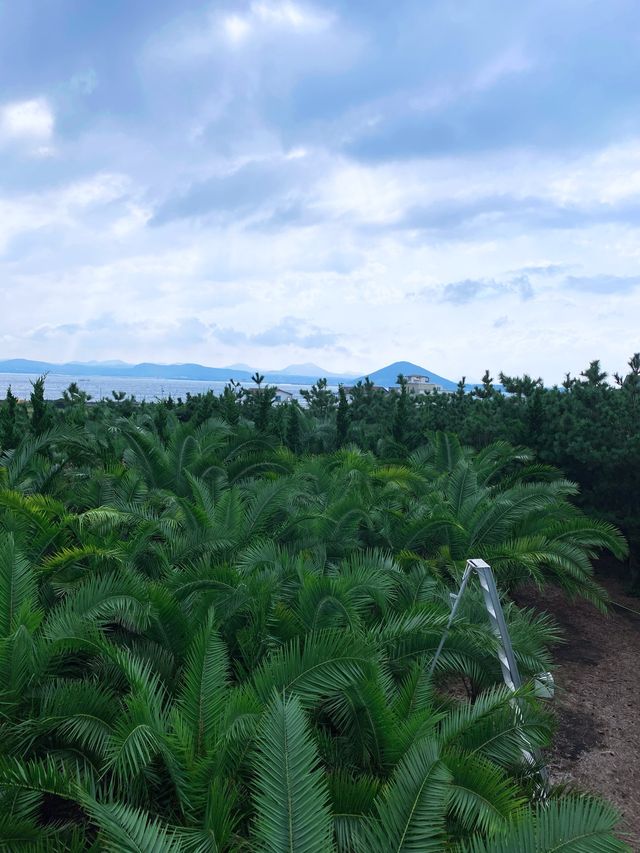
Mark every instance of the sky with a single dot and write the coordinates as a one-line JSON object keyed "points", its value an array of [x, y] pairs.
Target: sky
{"points": [[454, 183]]}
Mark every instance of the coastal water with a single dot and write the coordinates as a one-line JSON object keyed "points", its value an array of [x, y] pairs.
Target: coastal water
{"points": [[100, 387]]}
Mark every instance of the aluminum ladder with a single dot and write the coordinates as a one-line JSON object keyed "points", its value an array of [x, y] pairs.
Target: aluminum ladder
{"points": [[506, 656]]}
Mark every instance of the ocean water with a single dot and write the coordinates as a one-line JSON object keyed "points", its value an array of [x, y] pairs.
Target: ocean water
{"points": [[100, 387]]}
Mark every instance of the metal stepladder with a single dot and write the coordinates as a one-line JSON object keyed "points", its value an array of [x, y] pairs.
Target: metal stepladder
{"points": [[506, 656]]}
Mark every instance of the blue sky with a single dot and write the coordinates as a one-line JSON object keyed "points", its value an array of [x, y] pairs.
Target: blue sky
{"points": [[352, 183]]}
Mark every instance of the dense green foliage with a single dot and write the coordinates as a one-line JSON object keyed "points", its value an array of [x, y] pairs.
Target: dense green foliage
{"points": [[216, 631], [587, 427]]}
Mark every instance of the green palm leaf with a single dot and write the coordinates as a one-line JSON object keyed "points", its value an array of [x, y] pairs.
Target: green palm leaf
{"points": [[124, 829], [411, 812], [482, 797], [569, 825], [24, 784], [352, 798], [17, 586], [462, 486], [203, 694], [291, 796], [82, 712], [447, 450], [327, 662], [491, 728], [115, 597]]}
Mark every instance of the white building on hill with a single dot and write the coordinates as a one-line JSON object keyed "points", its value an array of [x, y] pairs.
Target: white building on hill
{"points": [[421, 384], [281, 395]]}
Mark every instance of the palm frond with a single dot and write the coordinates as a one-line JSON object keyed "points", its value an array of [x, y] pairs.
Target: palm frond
{"points": [[574, 824], [125, 829], [290, 793], [327, 662], [202, 697], [492, 728], [118, 596], [17, 586], [411, 811], [26, 783], [462, 485], [482, 796], [352, 799]]}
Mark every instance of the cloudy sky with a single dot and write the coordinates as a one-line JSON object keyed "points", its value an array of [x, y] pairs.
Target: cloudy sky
{"points": [[451, 182]]}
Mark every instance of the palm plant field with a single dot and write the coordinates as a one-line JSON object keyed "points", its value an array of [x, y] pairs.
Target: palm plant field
{"points": [[216, 635]]}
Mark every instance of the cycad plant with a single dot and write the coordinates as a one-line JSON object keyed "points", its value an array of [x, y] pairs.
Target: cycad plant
{"points": [[208, 643]]}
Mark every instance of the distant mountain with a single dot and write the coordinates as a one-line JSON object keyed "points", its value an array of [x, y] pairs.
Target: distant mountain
{"points": [[279, 378], [185, 371], [116, 362], [24, 365], [309, 369], [245, 367], [388, 375], [145, 370], [149, 370]]}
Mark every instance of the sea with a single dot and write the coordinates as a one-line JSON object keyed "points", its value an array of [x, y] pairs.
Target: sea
{"points": [[100, 387]]}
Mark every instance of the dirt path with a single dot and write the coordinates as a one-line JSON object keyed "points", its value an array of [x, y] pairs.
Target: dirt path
{"points": [[597, 745]]}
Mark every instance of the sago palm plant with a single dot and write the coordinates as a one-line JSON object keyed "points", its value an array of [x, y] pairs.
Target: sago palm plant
{"points": [[210, 644]]}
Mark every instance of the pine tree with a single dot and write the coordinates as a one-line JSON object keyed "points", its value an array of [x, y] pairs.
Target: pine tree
{"points": [[265, 397], [229, 400], [8, 426], [293, 427], [593, 374], [320, 399], [342, 417], [522, 386], [487, 390], [40, 410], [401, 413]]}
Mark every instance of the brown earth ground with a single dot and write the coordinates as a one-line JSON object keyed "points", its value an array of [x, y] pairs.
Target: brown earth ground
{"points": [[597, 743]]}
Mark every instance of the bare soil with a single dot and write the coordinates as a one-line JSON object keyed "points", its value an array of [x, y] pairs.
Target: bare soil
{"points": [[597, 743]]}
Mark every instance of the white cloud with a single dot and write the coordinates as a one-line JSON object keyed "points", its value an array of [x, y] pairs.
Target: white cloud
{"points": [[32, 120], [281, 16], [365, 194], [64, 208], [236, 28], [288, 14], [100, 189], [606, 176], [135, 219]]}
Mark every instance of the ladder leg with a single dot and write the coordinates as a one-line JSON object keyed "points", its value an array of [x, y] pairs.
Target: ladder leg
{"points": [[506, 655], [452, 616]]}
